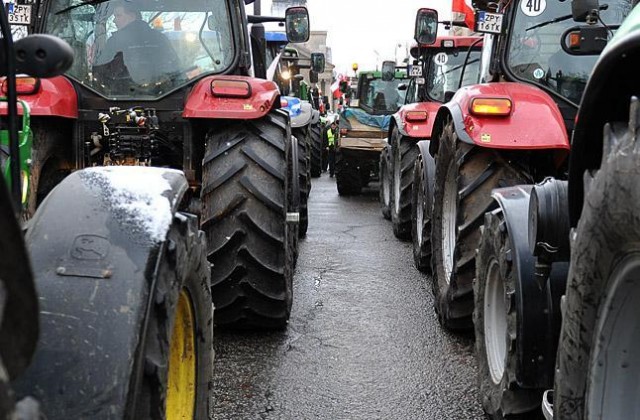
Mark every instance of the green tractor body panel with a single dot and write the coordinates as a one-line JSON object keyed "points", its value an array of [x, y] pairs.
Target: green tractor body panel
{"points": [[25, 139], [631, 24]]}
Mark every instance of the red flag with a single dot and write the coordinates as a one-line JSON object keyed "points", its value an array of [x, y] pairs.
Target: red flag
{"points": [[465, 8]]}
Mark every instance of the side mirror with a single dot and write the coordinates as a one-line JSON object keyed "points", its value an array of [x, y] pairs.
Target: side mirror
{"points": [[402, 87], [41, 56], [317, 62], [584, 40], [313, 77], [426, 26], [297, 24], [581, 9], [388, 70]]}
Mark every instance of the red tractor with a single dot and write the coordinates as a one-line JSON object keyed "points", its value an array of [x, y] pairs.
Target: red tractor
{"points": [[105, 293], [442, 68], [491, 142], [173, 84], [482, 140]]}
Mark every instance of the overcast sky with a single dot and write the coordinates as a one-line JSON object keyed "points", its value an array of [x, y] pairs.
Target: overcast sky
{"points": [[358, 28]]}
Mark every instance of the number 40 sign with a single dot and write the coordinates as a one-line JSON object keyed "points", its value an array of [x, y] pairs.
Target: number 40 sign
{"points": [[533, 8]]}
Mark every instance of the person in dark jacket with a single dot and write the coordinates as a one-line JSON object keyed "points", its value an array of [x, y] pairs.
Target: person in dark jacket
{"points": [[144, 54]]}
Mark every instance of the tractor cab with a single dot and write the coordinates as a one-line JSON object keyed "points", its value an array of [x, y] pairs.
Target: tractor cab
{"points": [[378, 94], [440, 69], [531, 50], [146, 49]]}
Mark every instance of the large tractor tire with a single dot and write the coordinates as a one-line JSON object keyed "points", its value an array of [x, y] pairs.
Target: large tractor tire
{"points": [[245, 206], [422, 207], [316, 150], [496, 322], [597, 373], [348, 177], [51, 160], [304, 159], [126, 312], [292, 183], [465, 176], [404, 156], [385, 184]]}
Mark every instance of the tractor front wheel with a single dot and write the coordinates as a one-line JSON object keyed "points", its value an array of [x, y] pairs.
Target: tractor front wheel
{"points": [[495, 322]]}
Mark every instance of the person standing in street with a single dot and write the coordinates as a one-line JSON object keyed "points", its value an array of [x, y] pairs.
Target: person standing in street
{"points": [[330, 137]]}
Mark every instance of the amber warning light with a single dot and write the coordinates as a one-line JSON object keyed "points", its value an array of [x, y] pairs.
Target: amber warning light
{"points": [[498, 107], [24, 85], [416, 116], [225, 88]]}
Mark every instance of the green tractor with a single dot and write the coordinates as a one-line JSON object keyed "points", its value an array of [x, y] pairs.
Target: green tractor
{"points": [[364, 125], [105, 294]]}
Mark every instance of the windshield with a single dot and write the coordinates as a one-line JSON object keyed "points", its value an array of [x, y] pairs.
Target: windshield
{"points": [[381, 96], [144, 49], [445, 71], [535, 55]]}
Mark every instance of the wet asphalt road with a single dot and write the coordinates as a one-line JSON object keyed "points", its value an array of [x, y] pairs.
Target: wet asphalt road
{"points": [[363, 341]]}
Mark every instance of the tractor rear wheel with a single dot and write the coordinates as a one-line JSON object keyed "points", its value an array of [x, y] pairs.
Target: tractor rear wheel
{"points": [[465, 176], [496, 324], [421, 211], [348, 178], [597, 370], [404, 153], [245, 206], [385, 184], [51, 160], [316, 150], [304, 153]]}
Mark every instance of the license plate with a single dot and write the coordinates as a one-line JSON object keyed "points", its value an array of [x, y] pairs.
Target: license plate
{"points": [[489, 23], [416, 71], [19, 14]]}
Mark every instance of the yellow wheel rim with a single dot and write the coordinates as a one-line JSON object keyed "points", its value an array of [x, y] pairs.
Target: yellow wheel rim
{"points": [[181, 388]]}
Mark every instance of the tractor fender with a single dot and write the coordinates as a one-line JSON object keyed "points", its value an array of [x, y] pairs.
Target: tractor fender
{"points": [[537, 301], [396, 121], [200, 103], [56, 97], [315, 116], [417, 129], [531, 107], [96, 242], [429, 165], [304, 117]]}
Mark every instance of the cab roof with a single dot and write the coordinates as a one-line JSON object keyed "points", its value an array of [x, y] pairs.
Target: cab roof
{"points": [[448, 41]]}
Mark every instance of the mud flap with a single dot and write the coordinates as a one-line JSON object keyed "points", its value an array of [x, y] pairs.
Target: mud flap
{"points": [[95, 243]]}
